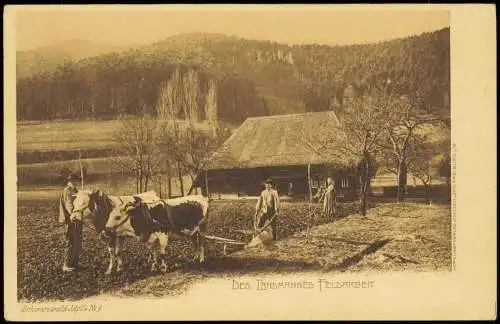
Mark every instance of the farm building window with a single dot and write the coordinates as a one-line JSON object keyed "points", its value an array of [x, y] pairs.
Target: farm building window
{"points": [[344, 182], [314, 183]]}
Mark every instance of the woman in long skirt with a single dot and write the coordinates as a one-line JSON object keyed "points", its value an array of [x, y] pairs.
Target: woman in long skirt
{"points": [[329, 202]]}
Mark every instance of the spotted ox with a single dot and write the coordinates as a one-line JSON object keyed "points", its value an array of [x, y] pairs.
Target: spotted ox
{"points": [[97, 206], [156, 222]]}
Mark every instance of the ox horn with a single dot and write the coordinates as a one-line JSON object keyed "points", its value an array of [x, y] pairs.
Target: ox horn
{"points": [[132, 204]]}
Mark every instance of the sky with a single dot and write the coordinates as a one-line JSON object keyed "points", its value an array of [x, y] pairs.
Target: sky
{"points": [[38, 26]]}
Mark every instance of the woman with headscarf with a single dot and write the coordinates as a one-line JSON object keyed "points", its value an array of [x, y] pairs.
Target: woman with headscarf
{"points": [[329, 202]]}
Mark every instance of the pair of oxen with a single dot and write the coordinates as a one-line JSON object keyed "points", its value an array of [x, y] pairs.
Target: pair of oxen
{"points": [[145, 217]]}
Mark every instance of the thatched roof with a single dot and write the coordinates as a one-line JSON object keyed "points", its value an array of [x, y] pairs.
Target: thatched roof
{"points": [[276, 141]]}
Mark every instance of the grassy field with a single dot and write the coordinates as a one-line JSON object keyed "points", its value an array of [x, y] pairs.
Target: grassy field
{"points": [[69, 135], [114, 184], [64, 135], [414, 236], [46, 148], [48, 173], [55, 139]]}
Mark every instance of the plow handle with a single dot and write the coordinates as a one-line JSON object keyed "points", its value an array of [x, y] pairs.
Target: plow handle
{"points": [[269, 221]]}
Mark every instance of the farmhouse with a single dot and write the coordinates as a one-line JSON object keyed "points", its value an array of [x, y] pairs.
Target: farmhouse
{"points": [[275, 147]]}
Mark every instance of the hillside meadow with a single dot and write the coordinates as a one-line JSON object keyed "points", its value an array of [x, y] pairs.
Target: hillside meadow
{"points": [[66, 135], [45, 149], [69, 135]]}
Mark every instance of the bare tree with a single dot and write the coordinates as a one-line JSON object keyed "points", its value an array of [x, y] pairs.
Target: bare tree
{"points": [[190, 146], [445, 172], [170, 142], [424, 167], [139, 150], [406, 113], [427, 157], [199, 145], [353, 141]]}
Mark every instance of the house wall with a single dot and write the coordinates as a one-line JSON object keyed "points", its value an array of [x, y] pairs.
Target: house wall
{"points": [[248, 182]]}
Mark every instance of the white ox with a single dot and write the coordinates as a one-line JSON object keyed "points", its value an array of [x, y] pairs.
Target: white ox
{"points": [[155, 222], [97, 206]]}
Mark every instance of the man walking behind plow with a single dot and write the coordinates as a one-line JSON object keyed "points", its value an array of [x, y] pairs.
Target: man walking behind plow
{"points": [[74, 226], [266, 209]]}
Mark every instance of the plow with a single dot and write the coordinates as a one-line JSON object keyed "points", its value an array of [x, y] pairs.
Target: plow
{"points": [[225, 242], [259, 237]]}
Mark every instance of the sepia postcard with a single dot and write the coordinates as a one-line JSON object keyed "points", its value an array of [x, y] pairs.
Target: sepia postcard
{"points": [[249, 162]]}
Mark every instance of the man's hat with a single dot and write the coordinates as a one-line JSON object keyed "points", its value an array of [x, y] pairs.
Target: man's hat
{"points": [[74, 176], [268, 181]]}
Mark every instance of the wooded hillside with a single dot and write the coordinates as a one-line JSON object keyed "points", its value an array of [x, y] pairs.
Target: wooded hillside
{"points": [[206, 76]]}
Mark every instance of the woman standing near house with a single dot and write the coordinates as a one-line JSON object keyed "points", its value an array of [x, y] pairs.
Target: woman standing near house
{"points": [[329, 202]]}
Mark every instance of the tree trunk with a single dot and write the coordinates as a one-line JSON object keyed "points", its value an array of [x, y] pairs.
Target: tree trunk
{"points": [[190, 191], [363, 202], [140, 181], [192, 182], [169, 182], [427, 189], [309, 181], [137, 181], [365, 183], [179, 172], [146, 180], [402, 180], [364, 196], [206, 185], [169, 187]]}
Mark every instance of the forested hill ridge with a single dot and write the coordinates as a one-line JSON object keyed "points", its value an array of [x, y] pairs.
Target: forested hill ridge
{"points": [[29, 62], [205, 76]]}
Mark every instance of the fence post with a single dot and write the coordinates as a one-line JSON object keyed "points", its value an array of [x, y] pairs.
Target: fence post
{"points": [[81, 168], [206, 183]]}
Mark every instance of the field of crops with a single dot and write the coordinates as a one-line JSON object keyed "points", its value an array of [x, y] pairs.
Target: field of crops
{"points": [[41, 246]]}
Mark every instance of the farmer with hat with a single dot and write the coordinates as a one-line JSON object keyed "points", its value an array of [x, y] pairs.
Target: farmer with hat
{"points": [[74, 226], [267, 207]]}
